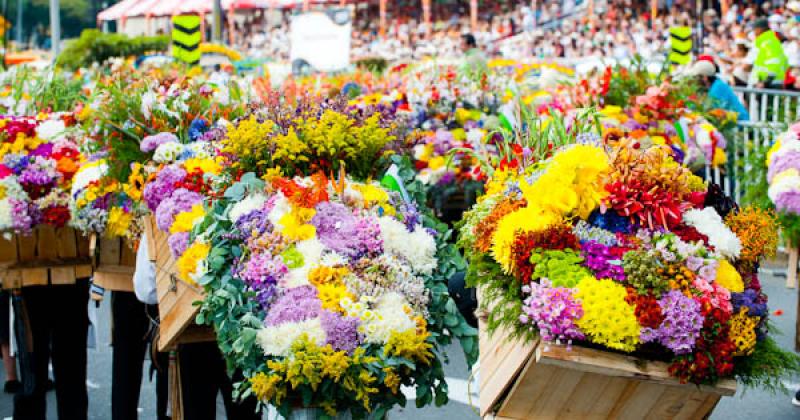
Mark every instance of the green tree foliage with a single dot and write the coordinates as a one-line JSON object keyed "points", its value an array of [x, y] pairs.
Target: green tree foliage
{"points": [[94, 46], [76, 15]]}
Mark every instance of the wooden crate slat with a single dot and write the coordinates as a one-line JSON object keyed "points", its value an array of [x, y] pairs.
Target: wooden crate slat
{"points": [[46, 243], [62, 275], [116, 281], [534, 382], [67, 239], [613, 391], [34, 276], [26, 246], [589, 389], [128, 257], [8, 250], [110, 251], [174, 322], [671, 403], [559, 391], [639, 402]]}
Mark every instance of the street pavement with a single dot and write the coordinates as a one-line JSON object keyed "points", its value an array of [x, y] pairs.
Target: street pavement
{"points": [[746, 404]]}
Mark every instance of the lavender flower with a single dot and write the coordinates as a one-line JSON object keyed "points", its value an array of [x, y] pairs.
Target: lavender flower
{"points": [[599, 258], [553, 311], [345, 233], [681, 325], [178, 243], [163, 186], [151, 143], [341, 332], [295, 305], [180, 201]]}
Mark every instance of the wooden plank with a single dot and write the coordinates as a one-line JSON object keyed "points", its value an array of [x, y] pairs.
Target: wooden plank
{"points": [[8, 250], [613, 364], [501, 362], [12, 279], [34, 276], [791, 270], [110, 251], [613, 391], [175, 321], [559, 392], [62, 275], [46, 243], [83, 271], [637, 404], [587, 392], [128, 257], [26, 246], [670, 404], [150, 230], [116, 281], [67, 239], [525, 393]]}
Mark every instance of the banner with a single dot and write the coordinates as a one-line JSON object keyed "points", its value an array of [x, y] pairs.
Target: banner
{"points": [[680, 42], [186, 39]]}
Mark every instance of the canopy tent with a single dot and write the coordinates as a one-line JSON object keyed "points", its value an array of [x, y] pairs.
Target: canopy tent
{"points": [[157, 8]]}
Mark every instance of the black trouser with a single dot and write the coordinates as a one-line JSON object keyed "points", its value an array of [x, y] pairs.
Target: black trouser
{"points": [[203, 374], [57, 325], [130, 339]]}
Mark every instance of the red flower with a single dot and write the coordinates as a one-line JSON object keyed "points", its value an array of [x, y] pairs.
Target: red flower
{"points": [[57, 216]]}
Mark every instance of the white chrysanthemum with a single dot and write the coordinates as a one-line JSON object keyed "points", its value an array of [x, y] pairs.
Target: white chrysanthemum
{"points": [[148, 100], [5, 214], [418, 248], [784, 182], [50, 129], [389, 315], [200, 149], [709, 223], [168, 152], [332, 259], [88, 173], [278, 340], [250, 204], [281, 207]]}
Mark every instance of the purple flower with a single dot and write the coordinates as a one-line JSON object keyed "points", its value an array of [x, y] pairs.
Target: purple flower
{"points": [[151, 143], [295, 305], [180, 201], [756, 305], [783, 162], [341, 331], [254, 221], [788, 202], [681, 325], [178, 243], [344, 232], [553, 311], [163, 186], [43, 150], [599, 258], [261, 273]]}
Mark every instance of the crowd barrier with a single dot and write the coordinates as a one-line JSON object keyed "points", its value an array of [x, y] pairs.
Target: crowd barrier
{"points": [[770, 105]]}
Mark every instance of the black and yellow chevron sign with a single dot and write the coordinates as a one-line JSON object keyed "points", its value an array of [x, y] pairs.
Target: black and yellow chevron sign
{"points": [[680, 43], [186, 39]]}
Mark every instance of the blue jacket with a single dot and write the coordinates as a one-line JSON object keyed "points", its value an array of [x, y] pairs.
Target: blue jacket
{"points": [[723, 97]]}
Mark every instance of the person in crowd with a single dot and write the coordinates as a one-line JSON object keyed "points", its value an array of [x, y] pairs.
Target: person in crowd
{"points": [[720, 93], [203, 372], [771, 63], [51, 323]]}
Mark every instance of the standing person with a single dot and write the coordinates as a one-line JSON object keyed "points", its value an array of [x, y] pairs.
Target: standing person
{"points": [[771, 63], [721, 95], [51, 322], [12, 384], [474, 59], [203, 373]]}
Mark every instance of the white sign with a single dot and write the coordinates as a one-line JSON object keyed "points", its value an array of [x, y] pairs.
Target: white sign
{"points": [[320, 41]]}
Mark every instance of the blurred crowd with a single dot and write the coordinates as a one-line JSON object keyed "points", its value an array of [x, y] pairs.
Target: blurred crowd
{"points": [[619, 29]]}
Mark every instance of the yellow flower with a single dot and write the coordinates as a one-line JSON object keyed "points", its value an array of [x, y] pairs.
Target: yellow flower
{"points": [[207, 166], [334, 363], [267, 388], [185, 221], [527, 219], [607, 318], [743, 332], [191, 263], [729, 278], [330, 294], [118, 222], [295, 226], [437, 162], [372, 194], [391, 380], [409, 344]]}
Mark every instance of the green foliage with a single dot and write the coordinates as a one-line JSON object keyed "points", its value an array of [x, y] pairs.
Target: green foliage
{"points": [[373, 64], [48, 91], [767, 367], [94, 46], [75, 15]]}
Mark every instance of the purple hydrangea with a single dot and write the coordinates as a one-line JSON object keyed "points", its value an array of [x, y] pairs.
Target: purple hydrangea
{"points": [[180, 201], [151, 143], [599, 258], [788, 202], [681, 325], [553, 311], [163, 185], [784, 162], [341, 331], [23, 216], [178, 243], [256, 220], [295, 305], [344, 232], [756, 305], [261, 273]]}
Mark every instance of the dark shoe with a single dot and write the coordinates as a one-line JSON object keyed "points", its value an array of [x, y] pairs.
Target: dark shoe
{"points": [[12, 387]]}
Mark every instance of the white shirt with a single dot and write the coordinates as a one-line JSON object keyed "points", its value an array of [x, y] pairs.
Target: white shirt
{"points": [[144, 278]]}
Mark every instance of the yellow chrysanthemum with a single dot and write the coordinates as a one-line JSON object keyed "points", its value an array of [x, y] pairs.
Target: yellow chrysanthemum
{"points": [[295, 224], [191, 262], [528, 219], [607, 318], [729, 278], [185, 221], [206, 165]]}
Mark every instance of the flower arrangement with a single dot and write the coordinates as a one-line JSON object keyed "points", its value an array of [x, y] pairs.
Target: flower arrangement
{"points": [[37, 165], [783, 176], [618, 246]]}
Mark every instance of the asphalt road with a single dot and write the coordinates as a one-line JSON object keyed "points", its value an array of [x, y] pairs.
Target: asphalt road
{"points": [[745, 405]]}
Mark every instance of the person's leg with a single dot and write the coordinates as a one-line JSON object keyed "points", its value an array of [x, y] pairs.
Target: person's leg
{"points": [[32, 330], [162, 385], [129, 341], [199, 367], [9, 362], [71, 324], [247, 409]]}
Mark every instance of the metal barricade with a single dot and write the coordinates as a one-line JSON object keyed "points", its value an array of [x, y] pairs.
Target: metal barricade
{"points": [[749, 138], [770, 105]]}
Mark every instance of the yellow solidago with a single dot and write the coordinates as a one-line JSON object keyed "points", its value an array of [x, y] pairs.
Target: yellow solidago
{"points": [[409, 345], [248, 139], [191, 263], [267, 388], [185, 221], [391, 380], [607, 317], [295, 224], [289, 149], [334, 363], [118, 222], [728, 277], [743, 332], [331, 294]]}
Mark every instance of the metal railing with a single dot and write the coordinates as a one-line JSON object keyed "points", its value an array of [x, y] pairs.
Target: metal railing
{"points": [[770, 105]]}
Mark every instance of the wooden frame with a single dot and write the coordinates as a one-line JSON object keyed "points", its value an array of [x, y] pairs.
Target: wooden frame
{"points": [[116, 263], [540, 380], [176, 298], [48, 256]]}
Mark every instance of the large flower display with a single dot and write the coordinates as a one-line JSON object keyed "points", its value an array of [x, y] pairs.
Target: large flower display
{"points": [[37, 164], [326, 289], [617, 245]]}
